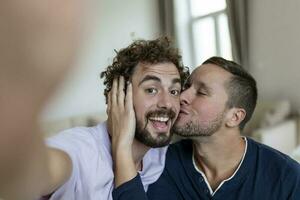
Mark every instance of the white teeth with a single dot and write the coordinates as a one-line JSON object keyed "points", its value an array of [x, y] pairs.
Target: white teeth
{"points": [[160, 119]]}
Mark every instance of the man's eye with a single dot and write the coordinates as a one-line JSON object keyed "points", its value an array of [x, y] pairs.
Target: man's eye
{"points": [[151, 90], [175, 92], [200, 93]]}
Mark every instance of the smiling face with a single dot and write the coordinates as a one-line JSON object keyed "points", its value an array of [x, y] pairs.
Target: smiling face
{"points": [[156, 90], [203, 102]]}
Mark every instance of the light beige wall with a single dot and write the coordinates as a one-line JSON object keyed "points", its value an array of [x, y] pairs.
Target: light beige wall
{"points": [[114, 25], [275, 48]]}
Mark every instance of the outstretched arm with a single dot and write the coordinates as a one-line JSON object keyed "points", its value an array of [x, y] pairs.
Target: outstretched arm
{"points": [[37, 45]]}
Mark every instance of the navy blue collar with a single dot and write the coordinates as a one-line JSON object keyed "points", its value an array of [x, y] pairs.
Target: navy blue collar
{"points": [[246, 167]]}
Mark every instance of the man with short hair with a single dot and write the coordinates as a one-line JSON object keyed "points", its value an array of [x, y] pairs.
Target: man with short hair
{"points": [[216, 162], [81, 165]]}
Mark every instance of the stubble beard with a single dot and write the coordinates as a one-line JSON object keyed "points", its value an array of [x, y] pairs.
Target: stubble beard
{"points": [[192, 129], [145, 137]]}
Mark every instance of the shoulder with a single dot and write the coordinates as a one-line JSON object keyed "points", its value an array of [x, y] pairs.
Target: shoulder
{"points": [[178, 147], [179, 153], [79, 137], [274, 161], [83, 144], [89, 151], [268, 153]]}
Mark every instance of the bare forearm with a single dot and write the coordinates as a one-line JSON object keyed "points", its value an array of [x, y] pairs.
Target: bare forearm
{"points": [[23, 164], [37, 47], [124, 166], [29, 169]]}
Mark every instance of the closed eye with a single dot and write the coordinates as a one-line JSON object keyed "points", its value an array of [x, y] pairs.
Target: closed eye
{"points": [[201, 93]]}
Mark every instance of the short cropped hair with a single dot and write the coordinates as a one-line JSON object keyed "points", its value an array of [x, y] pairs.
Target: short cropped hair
{"points": [[241, 89]]}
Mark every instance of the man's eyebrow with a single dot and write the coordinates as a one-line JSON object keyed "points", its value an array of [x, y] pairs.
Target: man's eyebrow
{"points": [[176, 80], [149, 78], [201, 85]]}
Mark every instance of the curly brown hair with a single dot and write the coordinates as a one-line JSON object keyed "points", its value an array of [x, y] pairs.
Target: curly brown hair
{"points": [[143, 51]]}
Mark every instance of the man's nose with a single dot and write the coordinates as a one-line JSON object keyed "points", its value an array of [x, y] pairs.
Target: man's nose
{"points": [[185, 97], [165, 101]]}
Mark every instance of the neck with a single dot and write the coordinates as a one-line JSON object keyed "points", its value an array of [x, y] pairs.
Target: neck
{"points": [[219, 155], [139, 150]]}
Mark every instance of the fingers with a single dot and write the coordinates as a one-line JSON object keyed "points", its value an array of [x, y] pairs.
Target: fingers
{"points": [[108, 108], [117, 95], [114, 91], [128, 98], [121, 93]]}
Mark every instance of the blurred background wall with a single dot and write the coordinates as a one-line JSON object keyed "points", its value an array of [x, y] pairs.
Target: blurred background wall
{"points": [[262, 35], [272, 50], [274, 45], [112, 24]]}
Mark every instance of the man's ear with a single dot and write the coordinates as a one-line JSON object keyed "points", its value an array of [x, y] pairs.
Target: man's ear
{"points": [[235, 116]]}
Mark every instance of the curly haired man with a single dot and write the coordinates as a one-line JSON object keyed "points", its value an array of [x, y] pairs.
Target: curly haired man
{"points": [[81, 161]]}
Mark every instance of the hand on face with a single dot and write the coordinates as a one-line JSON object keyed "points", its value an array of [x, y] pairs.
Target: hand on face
{"points": [[121, 116], [121, 126]]}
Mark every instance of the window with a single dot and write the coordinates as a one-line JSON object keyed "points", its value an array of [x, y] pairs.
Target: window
{"points": [[208, 31]]}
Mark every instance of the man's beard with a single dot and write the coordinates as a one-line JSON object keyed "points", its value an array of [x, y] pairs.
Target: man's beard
{"points": [[145, 137], [192, 129]]}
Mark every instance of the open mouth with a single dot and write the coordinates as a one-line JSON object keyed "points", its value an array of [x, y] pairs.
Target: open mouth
{"points": [[160, 123], [161, 120]]}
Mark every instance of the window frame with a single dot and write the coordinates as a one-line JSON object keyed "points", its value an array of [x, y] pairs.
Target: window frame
{"points": [[191, 23]]}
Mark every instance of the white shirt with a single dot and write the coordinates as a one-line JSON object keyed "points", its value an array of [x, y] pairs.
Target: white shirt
{"points": [[92, 175]]}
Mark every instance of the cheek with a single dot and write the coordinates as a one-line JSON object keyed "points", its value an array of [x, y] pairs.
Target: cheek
{"points": [[176, 105], [208, 111], [141, 105]]}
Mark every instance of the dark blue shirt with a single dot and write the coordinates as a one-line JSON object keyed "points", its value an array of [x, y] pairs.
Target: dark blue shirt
{"points": [[265, 173]]}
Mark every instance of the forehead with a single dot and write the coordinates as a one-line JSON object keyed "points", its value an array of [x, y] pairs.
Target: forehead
{"points": [[210, 74], [161, 70]]}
